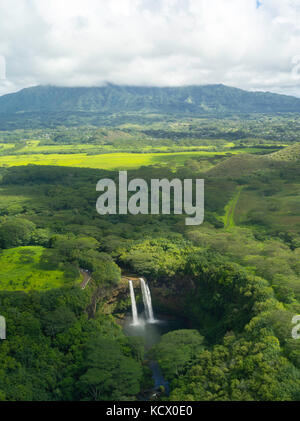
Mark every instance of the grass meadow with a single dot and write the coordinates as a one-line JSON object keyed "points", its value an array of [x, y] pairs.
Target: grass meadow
{"points": [[110, 161], [20, 270]]}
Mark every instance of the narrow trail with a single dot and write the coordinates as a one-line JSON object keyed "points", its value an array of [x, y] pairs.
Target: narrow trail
{"points": [[86, 278], [228, 219]]}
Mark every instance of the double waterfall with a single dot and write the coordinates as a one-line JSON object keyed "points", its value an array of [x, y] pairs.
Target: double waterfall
{"points": [[147, 304]]}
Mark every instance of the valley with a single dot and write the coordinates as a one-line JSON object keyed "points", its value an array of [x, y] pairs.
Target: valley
{"points": [[225, 291]]}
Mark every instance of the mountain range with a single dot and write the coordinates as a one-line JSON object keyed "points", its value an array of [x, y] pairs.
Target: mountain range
{"points": [[110, 99]]}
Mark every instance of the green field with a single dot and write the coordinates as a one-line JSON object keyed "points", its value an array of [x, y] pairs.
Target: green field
{"points": [[228, 218], [20, 271], [278, 211], [110, 161]]}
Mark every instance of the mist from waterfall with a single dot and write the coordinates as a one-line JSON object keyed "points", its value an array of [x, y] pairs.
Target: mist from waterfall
{"points": [[147, 302], [135, 317]]}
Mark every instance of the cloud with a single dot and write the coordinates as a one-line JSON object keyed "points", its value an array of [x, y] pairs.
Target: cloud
{"points": [[151, 42]]}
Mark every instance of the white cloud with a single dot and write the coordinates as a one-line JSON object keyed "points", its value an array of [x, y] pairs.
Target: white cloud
{"points": [[151, 42]]}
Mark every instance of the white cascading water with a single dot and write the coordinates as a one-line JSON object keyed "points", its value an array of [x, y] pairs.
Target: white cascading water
{"points": [[135, 318], [147, 301]]}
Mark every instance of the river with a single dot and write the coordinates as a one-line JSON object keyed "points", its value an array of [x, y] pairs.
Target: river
{"points": [[151, 333]]}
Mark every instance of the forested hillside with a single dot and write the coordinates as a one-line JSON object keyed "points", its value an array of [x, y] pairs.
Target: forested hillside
{"points": [[110, 99]]}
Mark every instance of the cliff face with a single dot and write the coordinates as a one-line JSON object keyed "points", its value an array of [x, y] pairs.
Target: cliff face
{"points": [[118, 301], [170, 296]]}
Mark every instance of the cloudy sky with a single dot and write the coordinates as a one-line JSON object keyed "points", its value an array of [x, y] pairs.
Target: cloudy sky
{"points": [[245, 43]]}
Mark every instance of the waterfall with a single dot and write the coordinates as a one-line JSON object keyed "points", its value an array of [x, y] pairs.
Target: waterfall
{"points": [[135, 318], [147, 301]]}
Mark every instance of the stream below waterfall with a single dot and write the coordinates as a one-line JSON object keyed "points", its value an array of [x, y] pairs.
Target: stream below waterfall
{"points": [[150, 326], [151, 333]]}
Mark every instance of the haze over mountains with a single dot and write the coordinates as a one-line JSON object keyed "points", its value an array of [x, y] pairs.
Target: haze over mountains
{"points": [[110, 99]]}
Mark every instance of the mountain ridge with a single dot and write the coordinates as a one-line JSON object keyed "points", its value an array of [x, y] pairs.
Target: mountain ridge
{"points": [[193, 99]]}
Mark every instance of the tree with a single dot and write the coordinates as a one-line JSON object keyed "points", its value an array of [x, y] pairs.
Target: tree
{"points": [[109, 375], [106, 271], [16, 232], [177, 351], [58, 321]]}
